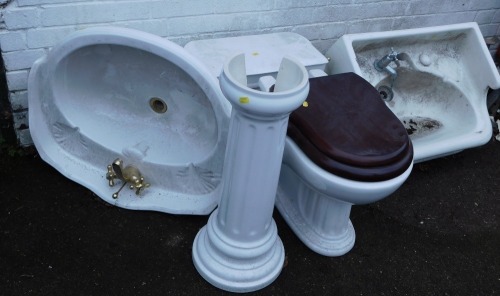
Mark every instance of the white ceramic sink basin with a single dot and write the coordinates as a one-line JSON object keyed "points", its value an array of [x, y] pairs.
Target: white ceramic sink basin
{"points": [[117, 114], [441, 87], [427, 105], [108, 93]]}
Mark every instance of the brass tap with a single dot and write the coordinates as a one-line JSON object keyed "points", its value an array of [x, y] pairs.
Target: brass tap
{"points": [[129, 174]]}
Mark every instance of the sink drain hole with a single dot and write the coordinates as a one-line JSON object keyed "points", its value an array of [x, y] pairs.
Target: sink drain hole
{"points": [[385, 93], [158, 105]]}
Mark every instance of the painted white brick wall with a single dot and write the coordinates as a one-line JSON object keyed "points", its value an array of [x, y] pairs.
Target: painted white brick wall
{"points": [[28, 28]]}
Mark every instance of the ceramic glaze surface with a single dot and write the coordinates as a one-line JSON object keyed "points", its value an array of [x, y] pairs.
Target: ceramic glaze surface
{"points": [[263, 53], [110, 87], [427, 106], [107, 93], [315, 203], [441, 87], [239, 249]]}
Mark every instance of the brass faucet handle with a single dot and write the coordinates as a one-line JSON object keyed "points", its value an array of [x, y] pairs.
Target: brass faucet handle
{"points": [[139, 186], [111, 176], [117, 166], [129, 174], [133, 176], [114, 172]]}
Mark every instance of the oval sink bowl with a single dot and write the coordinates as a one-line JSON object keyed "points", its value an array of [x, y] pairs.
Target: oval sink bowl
{"points": [[114, 93], [430, 108], [441, 85]]}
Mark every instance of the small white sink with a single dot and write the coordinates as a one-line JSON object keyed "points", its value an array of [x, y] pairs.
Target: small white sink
{"points": [[427, 105], [440, 91]]}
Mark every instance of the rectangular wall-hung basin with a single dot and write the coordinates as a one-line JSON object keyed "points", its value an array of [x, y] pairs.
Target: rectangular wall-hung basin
{"points": [[437, 85]]}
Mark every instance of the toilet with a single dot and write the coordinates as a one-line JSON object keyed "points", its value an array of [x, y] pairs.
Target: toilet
{"points": [[343, 146]]}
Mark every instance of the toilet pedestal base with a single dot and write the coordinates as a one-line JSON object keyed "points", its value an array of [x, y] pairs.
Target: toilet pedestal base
{"points": [[321, 222], [333, 236]]}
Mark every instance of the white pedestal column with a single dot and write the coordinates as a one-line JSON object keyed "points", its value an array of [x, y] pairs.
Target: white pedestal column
{"points": [[239, 249]]}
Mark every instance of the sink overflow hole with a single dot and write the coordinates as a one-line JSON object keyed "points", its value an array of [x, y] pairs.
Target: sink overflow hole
{"points": [[386, 93], [158, 105]]}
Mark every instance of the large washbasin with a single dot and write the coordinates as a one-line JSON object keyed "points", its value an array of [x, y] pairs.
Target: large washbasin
{"points": [[114, 93], [440, 90]]}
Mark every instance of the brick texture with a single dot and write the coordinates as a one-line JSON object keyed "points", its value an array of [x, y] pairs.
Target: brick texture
{"points": [[28, 28]]}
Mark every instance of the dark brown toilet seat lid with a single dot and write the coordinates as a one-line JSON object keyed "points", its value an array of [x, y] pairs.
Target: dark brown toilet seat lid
{"points": [[347, 121]]}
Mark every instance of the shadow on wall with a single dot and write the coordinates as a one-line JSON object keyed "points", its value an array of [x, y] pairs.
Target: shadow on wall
{"points": [[7, 134], [493, 101]]}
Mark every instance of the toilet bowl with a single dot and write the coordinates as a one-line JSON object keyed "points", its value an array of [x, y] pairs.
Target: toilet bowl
{"points": [[343, 147], [346, 147], [111, 107]]}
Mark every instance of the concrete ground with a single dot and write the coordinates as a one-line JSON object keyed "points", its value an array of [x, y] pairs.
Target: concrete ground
{"points": [[438, 234]]}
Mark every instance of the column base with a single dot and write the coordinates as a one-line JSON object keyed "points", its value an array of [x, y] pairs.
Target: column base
{"points": [[237, 266]]}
